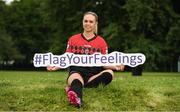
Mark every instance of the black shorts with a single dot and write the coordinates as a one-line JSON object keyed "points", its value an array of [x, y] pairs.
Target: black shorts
{"points": [[85, 72]]}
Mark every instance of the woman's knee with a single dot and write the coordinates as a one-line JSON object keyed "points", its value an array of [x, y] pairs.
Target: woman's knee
{"points": [[110, 72], [104, 78], [73, 77]]}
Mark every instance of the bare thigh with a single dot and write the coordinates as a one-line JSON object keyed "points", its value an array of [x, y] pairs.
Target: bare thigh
{"points": [[97, 75]]}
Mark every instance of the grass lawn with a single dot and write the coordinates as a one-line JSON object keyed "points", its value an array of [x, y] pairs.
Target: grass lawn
{"points": [[44, 91]]}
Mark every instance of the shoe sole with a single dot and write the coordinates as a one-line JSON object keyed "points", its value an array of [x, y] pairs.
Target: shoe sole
{"points": [[72, 97]]}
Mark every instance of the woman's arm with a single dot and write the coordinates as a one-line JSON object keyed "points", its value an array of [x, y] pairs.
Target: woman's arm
{"points": [[116, 67], [52, 68]]}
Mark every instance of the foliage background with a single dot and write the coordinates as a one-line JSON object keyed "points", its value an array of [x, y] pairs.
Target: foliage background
{"points": [[31, 26]]}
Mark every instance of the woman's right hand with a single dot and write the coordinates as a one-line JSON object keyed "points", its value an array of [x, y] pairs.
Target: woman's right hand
{"points": [[52, 68]]}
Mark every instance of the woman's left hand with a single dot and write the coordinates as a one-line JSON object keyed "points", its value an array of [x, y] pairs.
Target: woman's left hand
{"points": [[119, 67]]}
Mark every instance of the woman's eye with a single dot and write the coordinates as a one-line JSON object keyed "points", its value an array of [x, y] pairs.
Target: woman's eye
{"points": [[91, 21], [86, 21]]}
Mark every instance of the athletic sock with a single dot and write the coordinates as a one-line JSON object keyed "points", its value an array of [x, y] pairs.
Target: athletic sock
{"points": [[76, 86], [105, 78]]}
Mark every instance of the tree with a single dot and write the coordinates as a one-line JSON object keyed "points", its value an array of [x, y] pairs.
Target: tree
{"points": [[148, 25], [8, 50], [26, 26]]}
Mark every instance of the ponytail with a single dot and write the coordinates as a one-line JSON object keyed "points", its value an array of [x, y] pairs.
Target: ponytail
{"points": [[96, 29]]}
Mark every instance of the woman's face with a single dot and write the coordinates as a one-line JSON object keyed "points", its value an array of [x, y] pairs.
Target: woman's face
{"points": [[89, 23]]}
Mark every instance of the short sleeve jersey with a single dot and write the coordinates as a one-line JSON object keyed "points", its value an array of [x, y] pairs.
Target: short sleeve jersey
{"points": [[78, 44]]}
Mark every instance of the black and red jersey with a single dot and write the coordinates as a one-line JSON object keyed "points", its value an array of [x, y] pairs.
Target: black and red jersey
{"points": [[78, 44]]}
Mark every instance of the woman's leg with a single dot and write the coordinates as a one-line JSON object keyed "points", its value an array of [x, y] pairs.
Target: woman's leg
{"points": [[104, 77], [75, 82], [74, 76]]}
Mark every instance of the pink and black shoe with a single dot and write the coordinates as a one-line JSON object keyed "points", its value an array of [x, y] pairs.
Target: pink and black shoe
{"points": [[72, 97]]}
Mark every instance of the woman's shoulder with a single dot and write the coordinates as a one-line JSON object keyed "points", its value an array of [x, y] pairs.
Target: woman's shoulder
{"points": [[99, 37]]}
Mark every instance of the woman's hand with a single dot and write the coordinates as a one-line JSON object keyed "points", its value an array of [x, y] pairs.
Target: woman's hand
{"points": [[119, 67], [52, 68], [116, 67]]}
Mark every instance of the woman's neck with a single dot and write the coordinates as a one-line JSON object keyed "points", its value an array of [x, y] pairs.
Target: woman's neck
{"points": [[88, 35]]}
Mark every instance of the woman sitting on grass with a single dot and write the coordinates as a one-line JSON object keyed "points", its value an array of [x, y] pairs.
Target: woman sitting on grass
{"points": [[87, 43]]}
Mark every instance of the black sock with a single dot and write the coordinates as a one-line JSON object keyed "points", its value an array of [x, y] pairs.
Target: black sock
{"points": [[105, 78], [76, 86]]}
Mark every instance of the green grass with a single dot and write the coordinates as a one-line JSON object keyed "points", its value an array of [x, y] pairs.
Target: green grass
{"points": [[44, 91]]}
